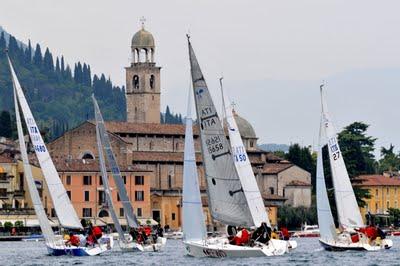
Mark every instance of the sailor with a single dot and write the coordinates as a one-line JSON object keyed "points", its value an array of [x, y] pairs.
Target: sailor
{"points": [[133, 233], [73, 240], [242, 237], [274, 234], [97, 232], [285, 233]]}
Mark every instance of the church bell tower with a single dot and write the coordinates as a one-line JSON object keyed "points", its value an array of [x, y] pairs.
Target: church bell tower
{"points": [[143, 81]]}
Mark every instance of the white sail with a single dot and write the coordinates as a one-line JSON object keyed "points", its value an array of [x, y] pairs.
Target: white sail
{"points": [[243, 166], [346, 203], [325, 219], [104, 177], [119, 182], [61, 202], [194, 227], [33, 192], [227, 201]]}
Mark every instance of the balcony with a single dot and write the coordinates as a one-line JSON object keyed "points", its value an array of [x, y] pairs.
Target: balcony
{"points": [[18, 193]]}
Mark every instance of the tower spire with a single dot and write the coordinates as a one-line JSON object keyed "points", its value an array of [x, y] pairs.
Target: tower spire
{"points": [[142, 21]]}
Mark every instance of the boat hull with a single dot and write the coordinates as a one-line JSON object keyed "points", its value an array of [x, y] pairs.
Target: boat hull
{"points": [[343, 246], [105, 244], [220, 248], [135, 247]]}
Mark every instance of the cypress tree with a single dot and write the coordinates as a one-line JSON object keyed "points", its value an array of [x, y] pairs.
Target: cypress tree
{"points": [[2, 41], [37, 58], [89, 76], [5, 124], [28, 53], [48, 62], [58, 70], [62, 65]]}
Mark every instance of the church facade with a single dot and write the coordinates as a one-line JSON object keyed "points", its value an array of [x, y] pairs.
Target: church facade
{"points": [[144, 144]]}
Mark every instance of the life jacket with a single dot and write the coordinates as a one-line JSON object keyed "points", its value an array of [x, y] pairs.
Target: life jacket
{"points": [[371, 232], [74, 240], [285, 233], [97, 232], [355, 238], [147, 230]]}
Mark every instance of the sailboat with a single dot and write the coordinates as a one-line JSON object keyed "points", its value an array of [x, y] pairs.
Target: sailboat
{"points": [[244, 169], [65, 211], [227, 194], [126, 242], [352, 236]]}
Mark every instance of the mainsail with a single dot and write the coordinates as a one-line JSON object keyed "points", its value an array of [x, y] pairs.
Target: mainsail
{"points": [[227, 201], [119, 182], [194, 227], [243, 166], [104, 177], [346, 203], [61, 202], [325, 218], [36, 202]]}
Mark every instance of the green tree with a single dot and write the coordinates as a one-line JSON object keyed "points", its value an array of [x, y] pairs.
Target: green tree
{"points": [[5, 124], [390, 161], [37, 58], [357, 149]]}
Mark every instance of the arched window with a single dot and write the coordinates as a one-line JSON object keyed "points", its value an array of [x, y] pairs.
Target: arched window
{"points": [[251, 143], [103, 213], [87, 156], [152, 82], [169, 181], [151, 145], [136, 82], [177, 146]]}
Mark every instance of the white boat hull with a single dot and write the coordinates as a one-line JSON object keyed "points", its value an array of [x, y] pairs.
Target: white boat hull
{"points": [[106, 243], [361, 246], [220, 248], [135, 247]]}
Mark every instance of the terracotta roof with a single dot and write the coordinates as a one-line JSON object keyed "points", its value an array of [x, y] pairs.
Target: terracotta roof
{"points": [[298, 183], [275, 168], [154, 156], [6, 159], [378, 180], [148, 128], [77, 165]]}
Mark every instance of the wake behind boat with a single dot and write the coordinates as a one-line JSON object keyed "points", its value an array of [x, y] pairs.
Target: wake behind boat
{"points": [[61, 202], [354, 234], [234, 197]]}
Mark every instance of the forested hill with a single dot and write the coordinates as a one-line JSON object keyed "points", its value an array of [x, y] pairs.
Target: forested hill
{"points": [[58, 94]]}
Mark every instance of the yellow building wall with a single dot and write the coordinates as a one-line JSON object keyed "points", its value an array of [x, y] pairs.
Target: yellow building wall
{"points": [[382, 198]]}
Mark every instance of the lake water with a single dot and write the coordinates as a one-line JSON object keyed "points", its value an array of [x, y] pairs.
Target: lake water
{"points": [[308, 252]]}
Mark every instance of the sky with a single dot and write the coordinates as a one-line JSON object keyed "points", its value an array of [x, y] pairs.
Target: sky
{"points": [[273, 54]]}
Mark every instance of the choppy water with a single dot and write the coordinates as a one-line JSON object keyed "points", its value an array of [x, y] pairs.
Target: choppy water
{"points": [[308, 252]]}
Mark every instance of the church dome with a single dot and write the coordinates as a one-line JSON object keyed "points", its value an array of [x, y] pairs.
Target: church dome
{"points": [[143, 39], [245, 128]]}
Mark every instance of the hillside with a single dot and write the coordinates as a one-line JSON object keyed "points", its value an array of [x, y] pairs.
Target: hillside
{"points": [[58, 98]]}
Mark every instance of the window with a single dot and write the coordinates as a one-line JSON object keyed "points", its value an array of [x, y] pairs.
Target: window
{"points": [[103, 213], [376, 207], [271, 190], [387, 204], [139, 212], [102, 198], [53, 212], [139, 195], [176, 146], [87, 180], [87, 196], [124, 178], [377, 192], [395, 204], [88, 156], [139, 180], [69, 194], [121, 212], [387, 191], [169, 181], [151, 145], [136, 82], [173, 216], [68, 181], [251, 144], [87, 212], [152, 82], [101, 180]]}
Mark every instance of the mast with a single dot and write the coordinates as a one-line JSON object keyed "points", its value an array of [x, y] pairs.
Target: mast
{"points": [[62, 204], [346, 203], [123, 195], [194, 227], [243, 167], [227, 201], [44, 223], [104, 177]]}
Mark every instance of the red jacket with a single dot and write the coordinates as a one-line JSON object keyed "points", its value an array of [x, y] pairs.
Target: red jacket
{"points": [[97, 232], [74, 240]]}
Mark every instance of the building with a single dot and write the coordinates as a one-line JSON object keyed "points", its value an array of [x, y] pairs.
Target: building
{"points": [[144, 143], [384, 191]]}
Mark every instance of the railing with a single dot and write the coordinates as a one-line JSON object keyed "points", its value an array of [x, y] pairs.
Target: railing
{"points": [[13, 211]]}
